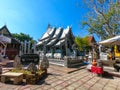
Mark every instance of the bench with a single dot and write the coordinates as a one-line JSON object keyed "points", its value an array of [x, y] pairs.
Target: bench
{"points": [[18, 77]]}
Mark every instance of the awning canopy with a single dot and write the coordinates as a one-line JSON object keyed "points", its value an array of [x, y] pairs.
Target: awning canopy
{"points": [[111, 41]]}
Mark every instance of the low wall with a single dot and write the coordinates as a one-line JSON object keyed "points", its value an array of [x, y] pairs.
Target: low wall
{"points": [[72, 62], [108, 62]]}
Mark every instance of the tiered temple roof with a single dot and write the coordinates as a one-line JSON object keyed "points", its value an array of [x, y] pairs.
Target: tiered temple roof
{"points": [[54, 36]]}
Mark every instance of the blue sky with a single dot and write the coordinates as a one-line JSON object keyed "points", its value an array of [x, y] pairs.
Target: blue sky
{"points": [[32, 16]]}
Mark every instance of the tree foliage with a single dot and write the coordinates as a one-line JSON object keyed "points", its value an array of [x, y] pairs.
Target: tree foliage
{"points": [[103, 18], [22, 37], [81, 42]]}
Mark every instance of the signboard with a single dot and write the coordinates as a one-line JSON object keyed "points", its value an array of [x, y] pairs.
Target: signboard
{"points": [[29, 58]]}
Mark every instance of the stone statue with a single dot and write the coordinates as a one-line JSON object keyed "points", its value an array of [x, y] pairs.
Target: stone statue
{"points": [[44, 63], [17, 64], [32, 68]]}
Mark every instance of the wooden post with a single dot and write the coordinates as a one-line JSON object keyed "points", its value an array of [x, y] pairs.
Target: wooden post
{"points": [[5, 49], [5, 46]]}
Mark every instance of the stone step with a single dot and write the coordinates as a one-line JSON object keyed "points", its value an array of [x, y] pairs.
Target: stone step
{"points": [[111, 71]]}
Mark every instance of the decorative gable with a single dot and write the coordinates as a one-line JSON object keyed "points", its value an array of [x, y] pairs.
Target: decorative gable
{"points": [[4, 31]]}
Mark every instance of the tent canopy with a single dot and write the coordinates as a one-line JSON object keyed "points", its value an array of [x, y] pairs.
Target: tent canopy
{"points": [[111, 41]]}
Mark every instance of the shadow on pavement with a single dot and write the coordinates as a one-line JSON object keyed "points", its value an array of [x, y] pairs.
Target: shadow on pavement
{"points": [[54, 74], [107, 75], [42, 81]]}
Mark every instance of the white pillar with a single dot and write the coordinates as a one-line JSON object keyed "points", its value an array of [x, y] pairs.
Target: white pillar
{"points": [[34, 47], [22, 47], [28, 47], [25, 44]]}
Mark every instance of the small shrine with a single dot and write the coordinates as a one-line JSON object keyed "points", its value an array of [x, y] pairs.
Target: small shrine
{"points": [[9, 46]]}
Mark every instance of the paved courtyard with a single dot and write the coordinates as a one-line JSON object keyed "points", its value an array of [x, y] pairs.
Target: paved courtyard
{"points": [[58, 79]]}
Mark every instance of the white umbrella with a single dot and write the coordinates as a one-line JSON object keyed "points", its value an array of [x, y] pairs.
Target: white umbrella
{"points": [[111, 41]]}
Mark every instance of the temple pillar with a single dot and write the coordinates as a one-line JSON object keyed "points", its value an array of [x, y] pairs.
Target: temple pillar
{"points": [[28, 50], [25, 44], [66, 46], [52, 52]]}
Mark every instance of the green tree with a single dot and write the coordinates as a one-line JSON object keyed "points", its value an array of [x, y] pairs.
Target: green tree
{"points": [[22, 37], [81, 42], [103, 18]]}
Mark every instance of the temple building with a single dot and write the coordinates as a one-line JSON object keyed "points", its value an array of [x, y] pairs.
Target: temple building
{"points": [[56, 42], [9, 46], [91, 40]]}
